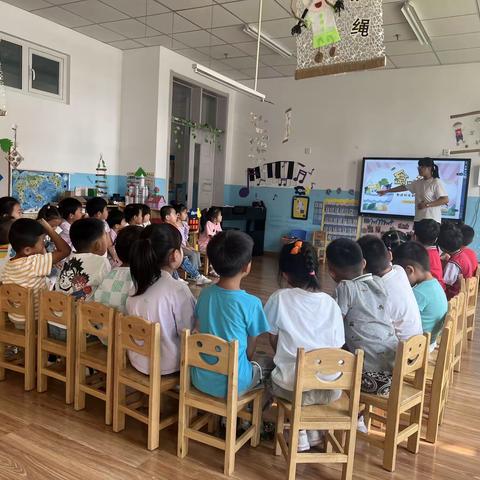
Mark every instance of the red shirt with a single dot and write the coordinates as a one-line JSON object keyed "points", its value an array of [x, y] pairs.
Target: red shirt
{"points": [[472, 256], [464, 265], [436, 265]]}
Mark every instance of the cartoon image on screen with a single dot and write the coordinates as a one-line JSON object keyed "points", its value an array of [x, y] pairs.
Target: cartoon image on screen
{"points": [[385, 173]]}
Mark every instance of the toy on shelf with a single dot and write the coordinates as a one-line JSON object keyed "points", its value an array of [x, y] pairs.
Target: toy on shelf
{"points": [[156, 201], [340, 219], [139, 184], [101, 178]]}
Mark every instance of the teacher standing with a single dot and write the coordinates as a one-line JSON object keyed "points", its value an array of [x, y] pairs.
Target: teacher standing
{"points": [[429, 191]]}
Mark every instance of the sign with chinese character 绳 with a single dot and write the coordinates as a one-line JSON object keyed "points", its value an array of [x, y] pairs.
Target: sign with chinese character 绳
{"points": [[336, 36]]}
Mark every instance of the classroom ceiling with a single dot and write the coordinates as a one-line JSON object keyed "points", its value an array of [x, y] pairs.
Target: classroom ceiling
{"points": [[210, 31]]}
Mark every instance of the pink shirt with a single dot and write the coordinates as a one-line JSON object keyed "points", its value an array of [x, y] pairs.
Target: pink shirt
{"points": [[65, 233], [211, 229]]}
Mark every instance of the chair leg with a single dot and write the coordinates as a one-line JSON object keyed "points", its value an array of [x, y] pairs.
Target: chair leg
{"points": [[30, 357], [349, 448], [433, 417], [292, 454], [366, 416], [257, 420], [2, 358], [413, 442], [119, 416], [70, 380], [154, 420], [183, 424], [42, 379], [213, 423], [390, 443], [279, 429], [79, 401], [230, 439]]}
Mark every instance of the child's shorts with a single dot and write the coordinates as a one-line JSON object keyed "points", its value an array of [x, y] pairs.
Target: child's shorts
{"points": [[257, 377], [377, 383]]}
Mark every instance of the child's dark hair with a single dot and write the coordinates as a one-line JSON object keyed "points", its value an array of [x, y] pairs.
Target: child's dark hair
{"points": [[181, 208], [85, 232], [68, 206], [428, 162], [165, 211], [375, 254], [49, 212], [6, 206], [115, 217], [95, 205], [209, 216], [412, 253], [132, 210], [427, 231], [125, 239], [229, 252], [24, 233], [468, 234], [151, 252], [299, 261], [146, 210], [394, 238], [450, 238], [5, 224], [345, 255]]}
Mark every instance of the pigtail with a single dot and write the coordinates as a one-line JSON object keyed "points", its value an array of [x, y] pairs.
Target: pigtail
{"points": [[311, 267], [145, 267], [435, 173]]}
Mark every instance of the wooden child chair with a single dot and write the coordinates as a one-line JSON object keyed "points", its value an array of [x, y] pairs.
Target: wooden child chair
{"points": [[404, 397], [58, 308], [338, 417], [18, 301], [319, 241], [194, 347], [472, 294], [94, 321], [459, 332], [140, 336]]}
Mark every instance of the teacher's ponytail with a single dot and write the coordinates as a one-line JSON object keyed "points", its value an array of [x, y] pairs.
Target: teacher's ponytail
{"points": [[428, 162]]}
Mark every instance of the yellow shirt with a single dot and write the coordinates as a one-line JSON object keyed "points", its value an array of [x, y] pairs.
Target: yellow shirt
{"points": [[29, 272]]}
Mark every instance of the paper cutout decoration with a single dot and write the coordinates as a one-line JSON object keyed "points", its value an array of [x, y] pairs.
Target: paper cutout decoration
{"points": [[288, 125], [360, 41], [300, 207], [466, 132]]}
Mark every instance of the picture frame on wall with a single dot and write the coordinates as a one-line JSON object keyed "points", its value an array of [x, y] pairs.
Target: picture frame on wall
{"points": [[300, 206]]}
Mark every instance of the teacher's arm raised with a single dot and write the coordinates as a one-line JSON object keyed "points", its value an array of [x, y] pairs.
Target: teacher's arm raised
{"points": [[401, 188]]}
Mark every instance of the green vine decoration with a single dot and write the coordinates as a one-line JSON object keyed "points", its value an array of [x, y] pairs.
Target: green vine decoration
{"points": [[212, 136], [5, 144]]}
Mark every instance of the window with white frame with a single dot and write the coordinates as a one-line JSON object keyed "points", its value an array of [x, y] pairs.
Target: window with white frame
{"points": [[33, 69]]}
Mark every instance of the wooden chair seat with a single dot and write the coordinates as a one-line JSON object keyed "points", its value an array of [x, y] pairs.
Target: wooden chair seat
{"points": [[336, 413], [409, 397], [137, 335], [95, 356]]}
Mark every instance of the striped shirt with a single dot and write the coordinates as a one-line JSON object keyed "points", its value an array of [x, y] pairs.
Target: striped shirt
{"points": [[4, 255], [30, 272]]}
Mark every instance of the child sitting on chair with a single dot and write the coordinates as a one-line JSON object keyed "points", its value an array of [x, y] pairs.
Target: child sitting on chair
{"points": [[182, 225], [32, 265], [71, 210], [468, 235], [10, 207], [427, 232], [5, 247], [116, 221], [401, 305], [158, 297], [431, 299], [169, 215], [211, 226], [458, 265], [115, 287], [228, 312], [293, 314], [133, 214], [362, 299]]}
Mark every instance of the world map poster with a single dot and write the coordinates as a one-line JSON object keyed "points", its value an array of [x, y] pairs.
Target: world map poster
{"points": [[35, 189]]}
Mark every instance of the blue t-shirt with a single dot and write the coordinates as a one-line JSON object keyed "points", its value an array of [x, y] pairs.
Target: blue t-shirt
{"points": [[433, 306], [231, 315]]}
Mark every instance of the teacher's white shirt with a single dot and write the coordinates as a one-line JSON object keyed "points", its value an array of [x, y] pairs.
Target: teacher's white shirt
{"points": [[427, 191]]}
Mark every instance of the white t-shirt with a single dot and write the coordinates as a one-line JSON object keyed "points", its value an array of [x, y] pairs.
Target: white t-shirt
{"points": [[301, 319], [427, 191], [170, 303], [401, 305]]}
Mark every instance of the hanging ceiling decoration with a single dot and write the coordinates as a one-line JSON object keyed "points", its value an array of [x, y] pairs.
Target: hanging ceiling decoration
{"points": [[338, 36], [3, 94]]}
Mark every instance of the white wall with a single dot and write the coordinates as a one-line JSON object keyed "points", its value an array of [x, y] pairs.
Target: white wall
{"points": [[55, 136], [346, 117]]}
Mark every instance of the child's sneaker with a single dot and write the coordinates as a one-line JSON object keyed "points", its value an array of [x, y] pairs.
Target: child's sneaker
{"points": [[303, 443], [361, 427], [315, 437], [202, 280]]}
